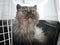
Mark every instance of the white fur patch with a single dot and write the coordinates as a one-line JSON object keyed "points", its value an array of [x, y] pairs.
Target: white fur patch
{"points": [[39, 35]]}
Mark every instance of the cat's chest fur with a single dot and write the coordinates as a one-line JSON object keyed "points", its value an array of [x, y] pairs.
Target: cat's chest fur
{"points": [[29, 34]]}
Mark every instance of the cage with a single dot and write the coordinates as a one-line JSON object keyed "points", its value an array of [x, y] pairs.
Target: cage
{"points": [[8, 13], [5, 32]]}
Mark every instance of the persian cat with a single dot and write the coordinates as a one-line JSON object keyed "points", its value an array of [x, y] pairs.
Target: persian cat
{"points": [[25, 30]]}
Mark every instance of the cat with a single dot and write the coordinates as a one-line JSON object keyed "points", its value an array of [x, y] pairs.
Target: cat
{"points": [[25, 30]]}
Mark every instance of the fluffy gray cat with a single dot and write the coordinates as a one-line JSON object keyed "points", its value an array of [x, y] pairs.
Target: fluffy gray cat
{"points": [[25, 29]]}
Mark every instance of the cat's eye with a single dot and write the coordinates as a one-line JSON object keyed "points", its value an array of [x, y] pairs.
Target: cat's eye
{"points": [[25, 10], [33, 11]]}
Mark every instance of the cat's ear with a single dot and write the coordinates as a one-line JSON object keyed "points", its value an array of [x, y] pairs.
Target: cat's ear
{"points": [[18, 7], [35, 6]]}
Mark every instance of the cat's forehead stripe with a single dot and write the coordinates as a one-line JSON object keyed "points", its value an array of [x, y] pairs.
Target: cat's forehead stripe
{"points": [[26, 7]]}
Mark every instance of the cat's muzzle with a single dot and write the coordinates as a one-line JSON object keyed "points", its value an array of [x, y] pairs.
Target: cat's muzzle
{"points": [[30, 16]]}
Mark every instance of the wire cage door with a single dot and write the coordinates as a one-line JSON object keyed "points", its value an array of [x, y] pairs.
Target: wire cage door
{"points": [[6, 32]]}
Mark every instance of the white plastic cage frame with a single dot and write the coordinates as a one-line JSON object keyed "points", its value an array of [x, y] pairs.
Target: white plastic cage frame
{"points": [[6, 32]]}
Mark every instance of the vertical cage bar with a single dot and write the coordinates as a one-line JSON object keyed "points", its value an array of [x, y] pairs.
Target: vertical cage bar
{"points": [[8, 32], [11, 33], [3, 33]]}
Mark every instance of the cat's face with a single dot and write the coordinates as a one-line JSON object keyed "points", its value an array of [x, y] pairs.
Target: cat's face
{"points": [[26, 14]]}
